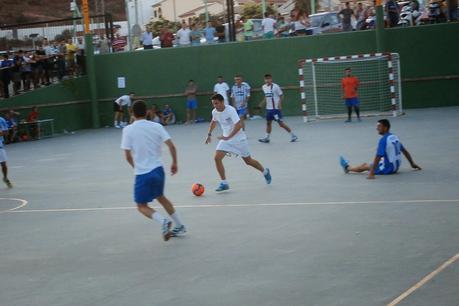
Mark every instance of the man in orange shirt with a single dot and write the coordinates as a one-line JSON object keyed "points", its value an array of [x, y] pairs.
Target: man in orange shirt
{"points": [[350, 86]]}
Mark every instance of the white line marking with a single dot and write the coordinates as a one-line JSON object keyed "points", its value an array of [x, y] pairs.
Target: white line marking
{"points": [[23, 203], [237, 205], [423, 281]]}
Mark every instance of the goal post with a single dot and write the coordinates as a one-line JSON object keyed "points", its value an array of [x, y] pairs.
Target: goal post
{"points": [[379, 91]]}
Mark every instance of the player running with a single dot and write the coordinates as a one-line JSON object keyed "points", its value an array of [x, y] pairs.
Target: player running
{"points": [[118, 106], [388, 155], [350, 85], [141, 142], [233, 140], [3, 156], [273, 99], [240, 95]]}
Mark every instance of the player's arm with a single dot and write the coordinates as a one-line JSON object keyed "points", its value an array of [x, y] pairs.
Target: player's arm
{"points": [[236, 129], [375, 164], [173, 152], [410, 159], [281, 99], [129, 159], [212, 126]]}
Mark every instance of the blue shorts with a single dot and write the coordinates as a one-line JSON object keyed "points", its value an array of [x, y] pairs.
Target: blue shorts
{"points": [[271, 115], [381, 170], [149, 186], [352, 102], [192, 104], [242, 112]]}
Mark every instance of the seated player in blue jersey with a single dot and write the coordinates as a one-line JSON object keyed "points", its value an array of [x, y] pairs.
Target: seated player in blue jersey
{"points": [[388, 155]]}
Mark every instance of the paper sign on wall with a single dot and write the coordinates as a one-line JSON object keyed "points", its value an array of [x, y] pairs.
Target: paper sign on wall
{"points": [[121, 82]]}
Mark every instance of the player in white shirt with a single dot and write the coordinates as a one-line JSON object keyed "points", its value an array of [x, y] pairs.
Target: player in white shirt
{"points": [[273, 99], [240, 95], [142, 143], [118, 108], [388, 155], [222, 88], [233, 140]]}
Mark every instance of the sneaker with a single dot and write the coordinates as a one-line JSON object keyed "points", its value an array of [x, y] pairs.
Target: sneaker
{"points": [[118, 126], [348, 121], [344, 163], [7, 182], [179, 231], [294, 138], [166, 230], [267, 176], [222, 187], [264, 140]]}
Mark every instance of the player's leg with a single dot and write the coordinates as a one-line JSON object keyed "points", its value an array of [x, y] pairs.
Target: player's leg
{"points": [[349, 113], [219, 155], [179, 228], [357, 111], [150, 213], [257, 165], [349, 168], [278, 118], [242, 114], [269, 127], [5, 174]]}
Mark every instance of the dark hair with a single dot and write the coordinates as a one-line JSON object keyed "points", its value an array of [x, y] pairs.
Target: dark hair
{"points": [[132, 93], [218, 97], [268, 76], [266, 14], [347, 3], [190, 81], [347, 68], [238, 76], [385, 123], [139, 108]]}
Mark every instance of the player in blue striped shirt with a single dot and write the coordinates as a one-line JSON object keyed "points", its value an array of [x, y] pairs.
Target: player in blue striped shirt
{"points": [[240, 95]]}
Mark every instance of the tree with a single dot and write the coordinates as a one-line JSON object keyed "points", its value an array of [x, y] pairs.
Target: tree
{"points": [[156, 26], [254, 10]]}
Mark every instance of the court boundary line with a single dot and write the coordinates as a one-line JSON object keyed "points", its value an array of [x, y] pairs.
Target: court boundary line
{"points": [[424, 280], [22, 201], [16, 210]]}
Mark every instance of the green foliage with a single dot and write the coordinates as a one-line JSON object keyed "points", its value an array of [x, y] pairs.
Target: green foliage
{"points": [[254, 10], [156, 26]]}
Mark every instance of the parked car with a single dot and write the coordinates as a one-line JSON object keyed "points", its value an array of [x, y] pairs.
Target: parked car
{"points": [[325, 22]]}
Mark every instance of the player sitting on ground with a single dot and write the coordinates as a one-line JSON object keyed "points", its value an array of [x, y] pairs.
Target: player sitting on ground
{"points": [[388, 155], [350, 85], [142, 142], [234, 140]]}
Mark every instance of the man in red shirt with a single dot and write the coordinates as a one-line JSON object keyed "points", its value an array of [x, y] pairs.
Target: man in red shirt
{"points": [[350, 85], [32, 119]]}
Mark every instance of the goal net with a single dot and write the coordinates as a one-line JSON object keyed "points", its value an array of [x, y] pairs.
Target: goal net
{"points": [[379, 90]]}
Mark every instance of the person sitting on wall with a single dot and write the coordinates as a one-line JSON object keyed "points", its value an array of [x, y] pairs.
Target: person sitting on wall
{"points": [[168, 115]]}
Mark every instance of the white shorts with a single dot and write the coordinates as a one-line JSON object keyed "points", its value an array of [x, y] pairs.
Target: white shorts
{"points": [[238, 147], [3, 156]]}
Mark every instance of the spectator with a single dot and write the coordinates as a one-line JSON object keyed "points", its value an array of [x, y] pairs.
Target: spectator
{"points": [[147, 39], [283, 27], [168, 115], [360, 16], [268, 24], [222, 88], [80, 59], [38, 67], [32, 119], [195, 35], [6, 70], [60, 61], [16, 71], [104, 45], [393, 12], [184, 36], [166, 38], [119, 43], [191, 102], [220, 28], [154, 114], [300, 23], [70, 52], [346, 14], [50, 52], [209, 33], [26, 70], [248, 28]]}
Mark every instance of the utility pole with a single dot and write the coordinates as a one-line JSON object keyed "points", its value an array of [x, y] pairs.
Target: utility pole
{"points": [[206, 11], [263, 8]]}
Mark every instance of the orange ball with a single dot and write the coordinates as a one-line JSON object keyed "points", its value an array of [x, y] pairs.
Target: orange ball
{"points": [[197, 189]]}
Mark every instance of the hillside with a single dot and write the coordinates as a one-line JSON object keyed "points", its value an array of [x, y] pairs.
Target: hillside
{"points": [[14, 11]]}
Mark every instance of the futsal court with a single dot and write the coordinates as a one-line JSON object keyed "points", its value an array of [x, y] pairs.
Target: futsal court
{"points": [[70, 233]]}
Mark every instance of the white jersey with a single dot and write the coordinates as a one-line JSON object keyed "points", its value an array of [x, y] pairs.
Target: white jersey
{"points": [[222, 88], [273, 95], [124, 100], [227, 120], [268, 25], [184, 36], [144, 138], [240, 94]]}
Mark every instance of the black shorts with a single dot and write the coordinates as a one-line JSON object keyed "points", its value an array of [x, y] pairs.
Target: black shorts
{"points": [[117, 107]]}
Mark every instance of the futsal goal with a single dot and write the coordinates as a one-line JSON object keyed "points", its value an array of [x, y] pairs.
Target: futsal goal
{"points": [[379, 91]]}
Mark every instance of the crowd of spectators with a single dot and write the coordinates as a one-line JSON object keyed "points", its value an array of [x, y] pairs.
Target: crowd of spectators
{"points": [[21, 128], [25, 70]]}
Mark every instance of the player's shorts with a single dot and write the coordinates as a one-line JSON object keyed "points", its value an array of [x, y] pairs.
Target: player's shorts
{"points": [[381, 170], [352, 102], [3, 156], [242, 112], [237, 147], [117, 108], [274, 114], [192, 104], [149, 186]]}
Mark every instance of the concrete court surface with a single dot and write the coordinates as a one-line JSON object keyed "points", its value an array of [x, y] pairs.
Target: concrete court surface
{"points": [[315, 237]]}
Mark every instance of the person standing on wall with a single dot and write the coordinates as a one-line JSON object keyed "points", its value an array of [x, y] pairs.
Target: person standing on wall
{"points": [[268, 24], [184, 36], [210, 33], [393, 12], [346, 14], [147, 39]]}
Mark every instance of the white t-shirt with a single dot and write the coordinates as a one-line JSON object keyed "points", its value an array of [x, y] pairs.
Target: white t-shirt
{"points": [[272, 95], [124, 100], [184, 36], [144, 139], [268, 25], [227, 119], [222, 88]]}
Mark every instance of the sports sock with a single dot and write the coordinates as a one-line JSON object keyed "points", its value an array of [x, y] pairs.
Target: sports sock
{"points": [[357, 111], [291, 134], [265, 171], [176, 219], [267, 135], [158, 217], [115, 123], [224, 182]]}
